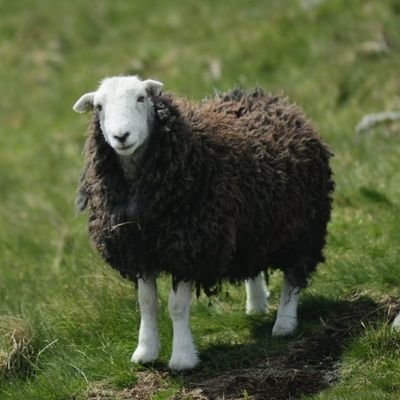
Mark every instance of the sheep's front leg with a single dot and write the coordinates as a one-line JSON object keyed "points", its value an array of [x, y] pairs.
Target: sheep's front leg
{"points": [[149, 341], [184, 354], [286, 320], [256, 295]]}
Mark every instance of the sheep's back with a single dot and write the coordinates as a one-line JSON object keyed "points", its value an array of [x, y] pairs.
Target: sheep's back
{"points": [[271, 182]]}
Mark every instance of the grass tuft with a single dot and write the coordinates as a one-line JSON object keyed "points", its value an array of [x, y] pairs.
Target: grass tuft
{"points": [[17, 351]]}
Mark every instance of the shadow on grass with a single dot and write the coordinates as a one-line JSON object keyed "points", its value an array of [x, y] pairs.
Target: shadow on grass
{"points": [[278, 369]]}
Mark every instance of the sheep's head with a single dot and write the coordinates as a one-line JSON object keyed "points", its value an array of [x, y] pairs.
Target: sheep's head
{"points": [[125, 110]]}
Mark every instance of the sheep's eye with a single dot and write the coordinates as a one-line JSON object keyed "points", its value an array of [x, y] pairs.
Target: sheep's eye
{"points": [[99, 107], [140, 99]]}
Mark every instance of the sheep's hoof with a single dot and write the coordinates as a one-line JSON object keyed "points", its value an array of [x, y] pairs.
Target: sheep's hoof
{"points": [[144, 355], [183, 361], [284, 327], [257, 308]]}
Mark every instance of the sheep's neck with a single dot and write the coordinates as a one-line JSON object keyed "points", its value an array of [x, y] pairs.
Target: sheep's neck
{"points": [[131, 164]]}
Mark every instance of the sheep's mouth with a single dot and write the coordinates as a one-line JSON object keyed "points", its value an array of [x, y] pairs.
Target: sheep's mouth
{"points": [[127, 147], [125, 150]]}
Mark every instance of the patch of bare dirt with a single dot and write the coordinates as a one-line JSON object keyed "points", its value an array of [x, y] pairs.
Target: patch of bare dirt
{"points": [[148, 383]]}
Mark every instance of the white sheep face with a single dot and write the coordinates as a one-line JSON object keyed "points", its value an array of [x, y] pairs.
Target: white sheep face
{"points": [[125, 110]]}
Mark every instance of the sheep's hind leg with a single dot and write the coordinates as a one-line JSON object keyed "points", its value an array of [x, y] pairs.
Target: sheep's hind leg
{"points": [[149, 340], [286, 320], [256, 295], [184, 354]]}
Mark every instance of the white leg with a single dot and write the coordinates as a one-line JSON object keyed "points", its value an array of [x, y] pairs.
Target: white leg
{"points": [[286, 320], [184, 355], [396, 322], [149, 340], [256, 295]]}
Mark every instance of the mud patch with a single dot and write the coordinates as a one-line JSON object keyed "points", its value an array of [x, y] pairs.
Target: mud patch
{"points": [[308, 367]]}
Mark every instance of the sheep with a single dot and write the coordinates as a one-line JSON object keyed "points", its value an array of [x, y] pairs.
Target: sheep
{"points": [[219, 190]]}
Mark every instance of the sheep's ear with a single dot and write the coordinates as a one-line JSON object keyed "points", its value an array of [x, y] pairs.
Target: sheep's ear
{"points": [[153, 88], [85, 103]]}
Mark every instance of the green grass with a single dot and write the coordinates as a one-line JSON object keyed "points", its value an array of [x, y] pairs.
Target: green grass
{"points": [[77, 318]]}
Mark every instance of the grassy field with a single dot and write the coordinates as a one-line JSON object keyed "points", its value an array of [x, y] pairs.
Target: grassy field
{"points": [[68, 323]]}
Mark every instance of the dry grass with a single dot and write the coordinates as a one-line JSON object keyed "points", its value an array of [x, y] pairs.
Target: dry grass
{"points": [[16, 349], [148, 384]]}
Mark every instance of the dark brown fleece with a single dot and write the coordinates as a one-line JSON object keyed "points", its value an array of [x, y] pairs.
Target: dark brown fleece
{"points": [[225, 189]]}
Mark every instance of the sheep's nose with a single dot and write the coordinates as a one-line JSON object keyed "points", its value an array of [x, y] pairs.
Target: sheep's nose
{"points": [[121, 138]]}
